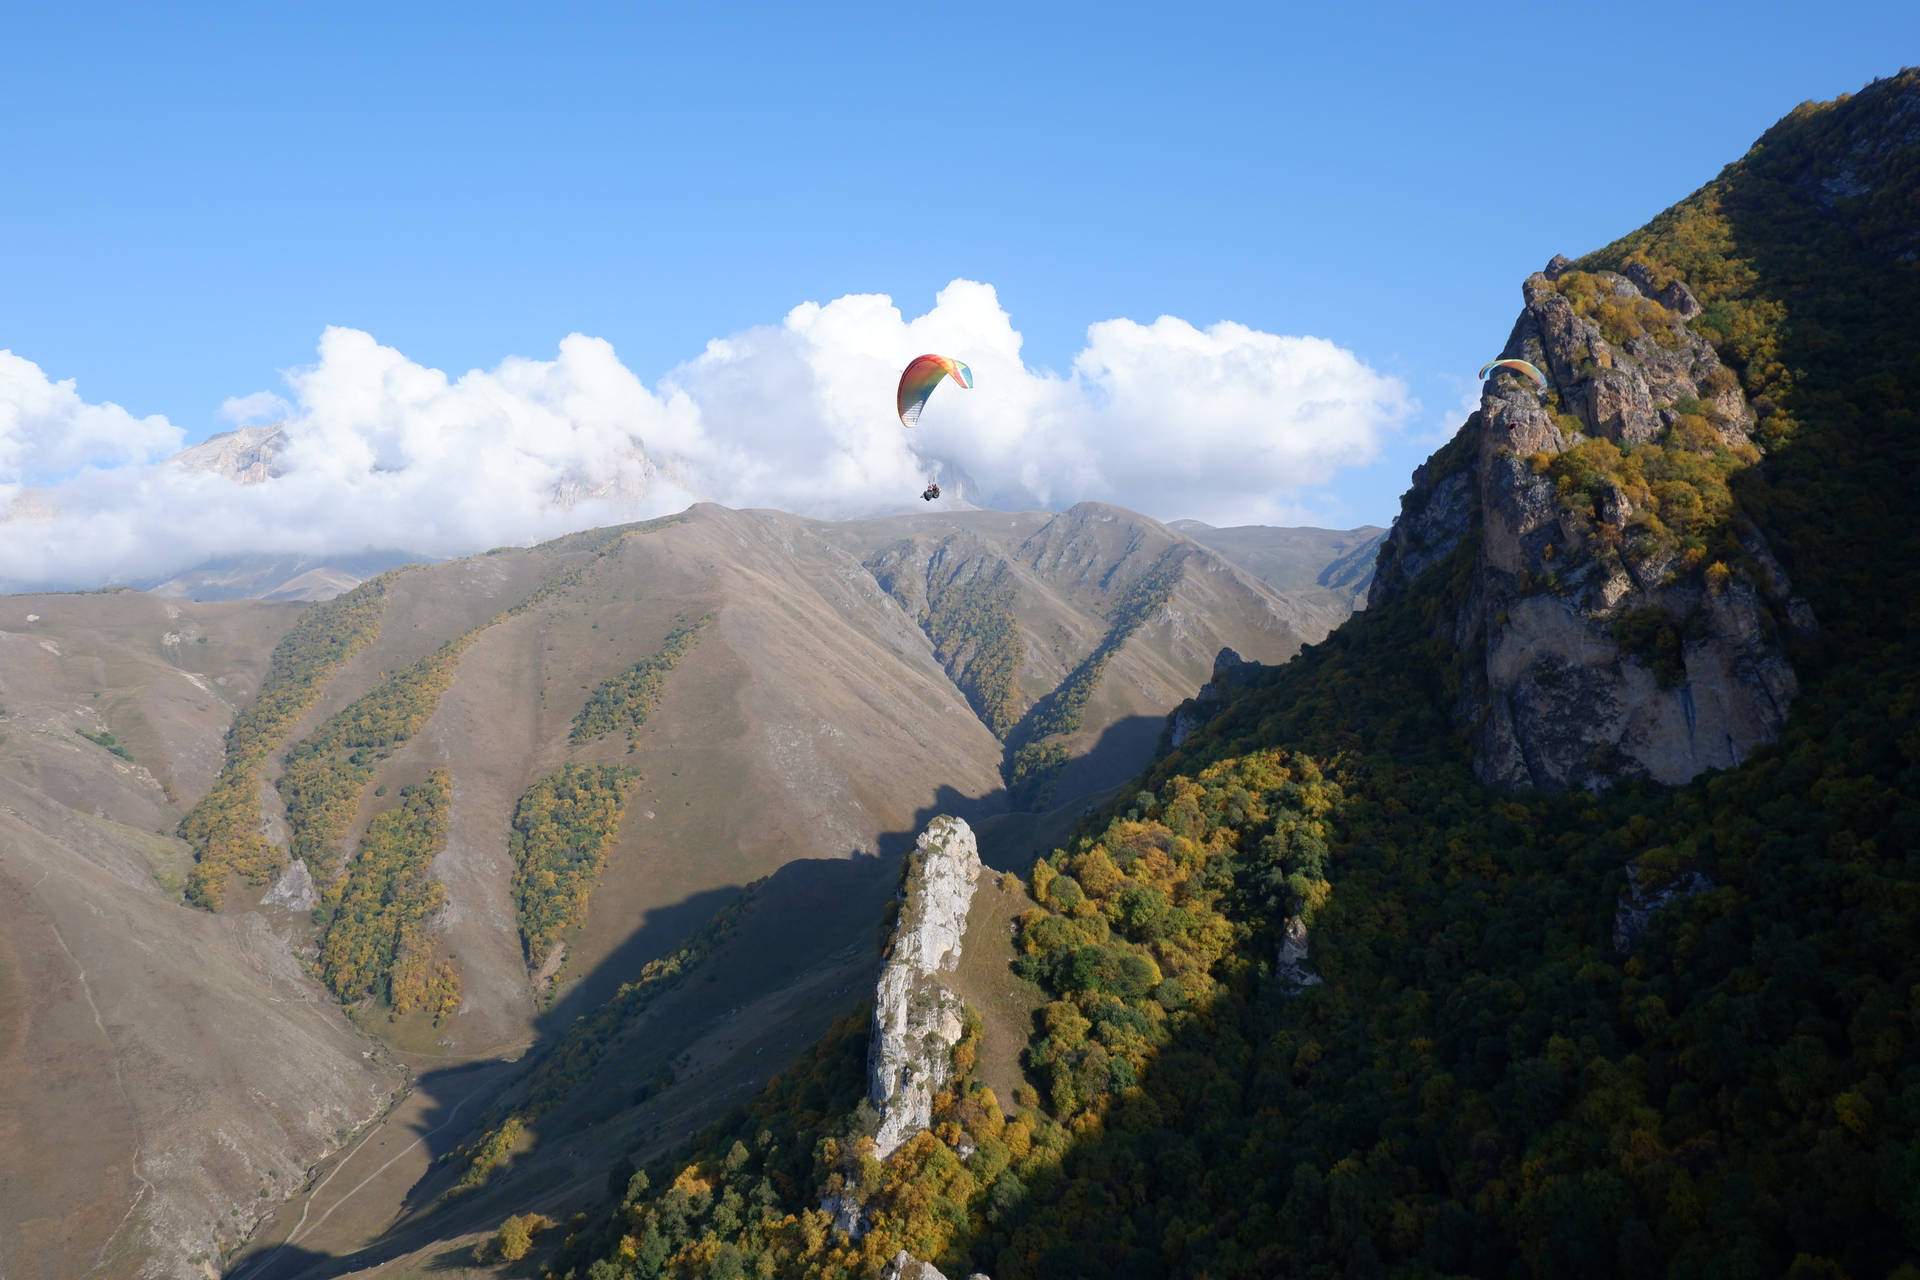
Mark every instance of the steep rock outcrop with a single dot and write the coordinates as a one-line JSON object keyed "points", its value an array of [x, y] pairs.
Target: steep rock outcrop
{"points": [[1230, 671], [916, 1019], [1603, 647], [1291, 962], [848, 1214]]}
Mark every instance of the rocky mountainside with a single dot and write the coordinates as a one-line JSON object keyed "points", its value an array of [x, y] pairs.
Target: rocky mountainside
{"points": [[1071, 634], [248, 455], [140, 1112], [1609, 633], [795, 736]]}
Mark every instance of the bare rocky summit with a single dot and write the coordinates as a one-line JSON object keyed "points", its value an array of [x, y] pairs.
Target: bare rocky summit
{"points": [[250, 455]]}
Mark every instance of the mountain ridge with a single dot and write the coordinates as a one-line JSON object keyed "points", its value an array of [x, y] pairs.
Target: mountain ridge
{"points": [[811, 726]]}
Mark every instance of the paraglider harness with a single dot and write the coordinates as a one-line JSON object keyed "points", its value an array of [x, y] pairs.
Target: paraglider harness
{"points": [[933, 491]]}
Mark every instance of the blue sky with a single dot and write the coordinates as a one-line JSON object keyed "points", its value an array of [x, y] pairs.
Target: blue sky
{"points": [[191, 197]]}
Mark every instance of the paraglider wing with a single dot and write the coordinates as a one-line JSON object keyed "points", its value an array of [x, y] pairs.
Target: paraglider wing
{"points": [[1518, 366], [920, 377]]}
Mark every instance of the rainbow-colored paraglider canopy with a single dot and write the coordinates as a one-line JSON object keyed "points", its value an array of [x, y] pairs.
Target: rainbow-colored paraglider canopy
{"points": [[1518, 366], [919, 378]]}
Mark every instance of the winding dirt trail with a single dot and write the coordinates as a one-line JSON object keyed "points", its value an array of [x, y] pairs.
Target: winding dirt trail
{"points": [[483, 1084]]}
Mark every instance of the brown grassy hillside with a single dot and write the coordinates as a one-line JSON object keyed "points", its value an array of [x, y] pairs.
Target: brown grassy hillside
{"points": [[799, 744]]}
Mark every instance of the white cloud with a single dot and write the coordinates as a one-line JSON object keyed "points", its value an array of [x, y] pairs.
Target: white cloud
{"points": [[1226, 423], [47, 430], [260, 407]]}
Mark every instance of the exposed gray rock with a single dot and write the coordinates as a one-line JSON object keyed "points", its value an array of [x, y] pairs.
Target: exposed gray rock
{"points": [[1553, 697], [1230, 671], [916, 1019], [907, 1267], [250, 455], [1434, 516], [1291, 966], [1637, 905], [293, 890], [848, 1214]]}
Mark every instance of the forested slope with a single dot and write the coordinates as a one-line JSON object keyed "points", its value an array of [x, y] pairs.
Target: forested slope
{"points": [[1322, 1003]]}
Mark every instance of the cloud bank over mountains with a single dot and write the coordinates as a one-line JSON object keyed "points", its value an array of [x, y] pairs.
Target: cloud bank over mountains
{"points": [[1226, 423]]}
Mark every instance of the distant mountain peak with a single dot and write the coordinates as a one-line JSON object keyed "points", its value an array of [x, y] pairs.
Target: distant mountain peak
{"points": [[248, 455]]}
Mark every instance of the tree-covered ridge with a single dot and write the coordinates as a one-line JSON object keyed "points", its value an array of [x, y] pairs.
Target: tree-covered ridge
{"points": [[562, 829], [975, 637], [1481, 1083], [1135, 960], [1033, 763], [224, 827], [374, 918], [555, 1071], [1485, 1083], [626, 700], [1803, 254]]}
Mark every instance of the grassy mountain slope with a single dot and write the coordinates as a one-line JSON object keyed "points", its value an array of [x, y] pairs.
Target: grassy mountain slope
{"points": [[1041, 595], [811, 722], [141, 1121]]}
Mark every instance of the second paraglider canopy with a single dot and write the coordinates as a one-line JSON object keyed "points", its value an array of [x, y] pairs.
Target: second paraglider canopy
{"points": [[1518, 366]]}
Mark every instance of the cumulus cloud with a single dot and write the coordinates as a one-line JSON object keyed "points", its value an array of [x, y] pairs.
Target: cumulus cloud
{"points": [[1225, 423], [47, 430], [261, 406]]}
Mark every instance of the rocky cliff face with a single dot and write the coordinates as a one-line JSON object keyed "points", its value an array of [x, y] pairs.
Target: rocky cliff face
{"points": [[1621, 618], [916, 1019], [250, 455], [1230, 671]]}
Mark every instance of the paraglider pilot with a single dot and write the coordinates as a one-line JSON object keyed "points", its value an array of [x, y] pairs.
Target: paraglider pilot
{"points": [[932, 492]]}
